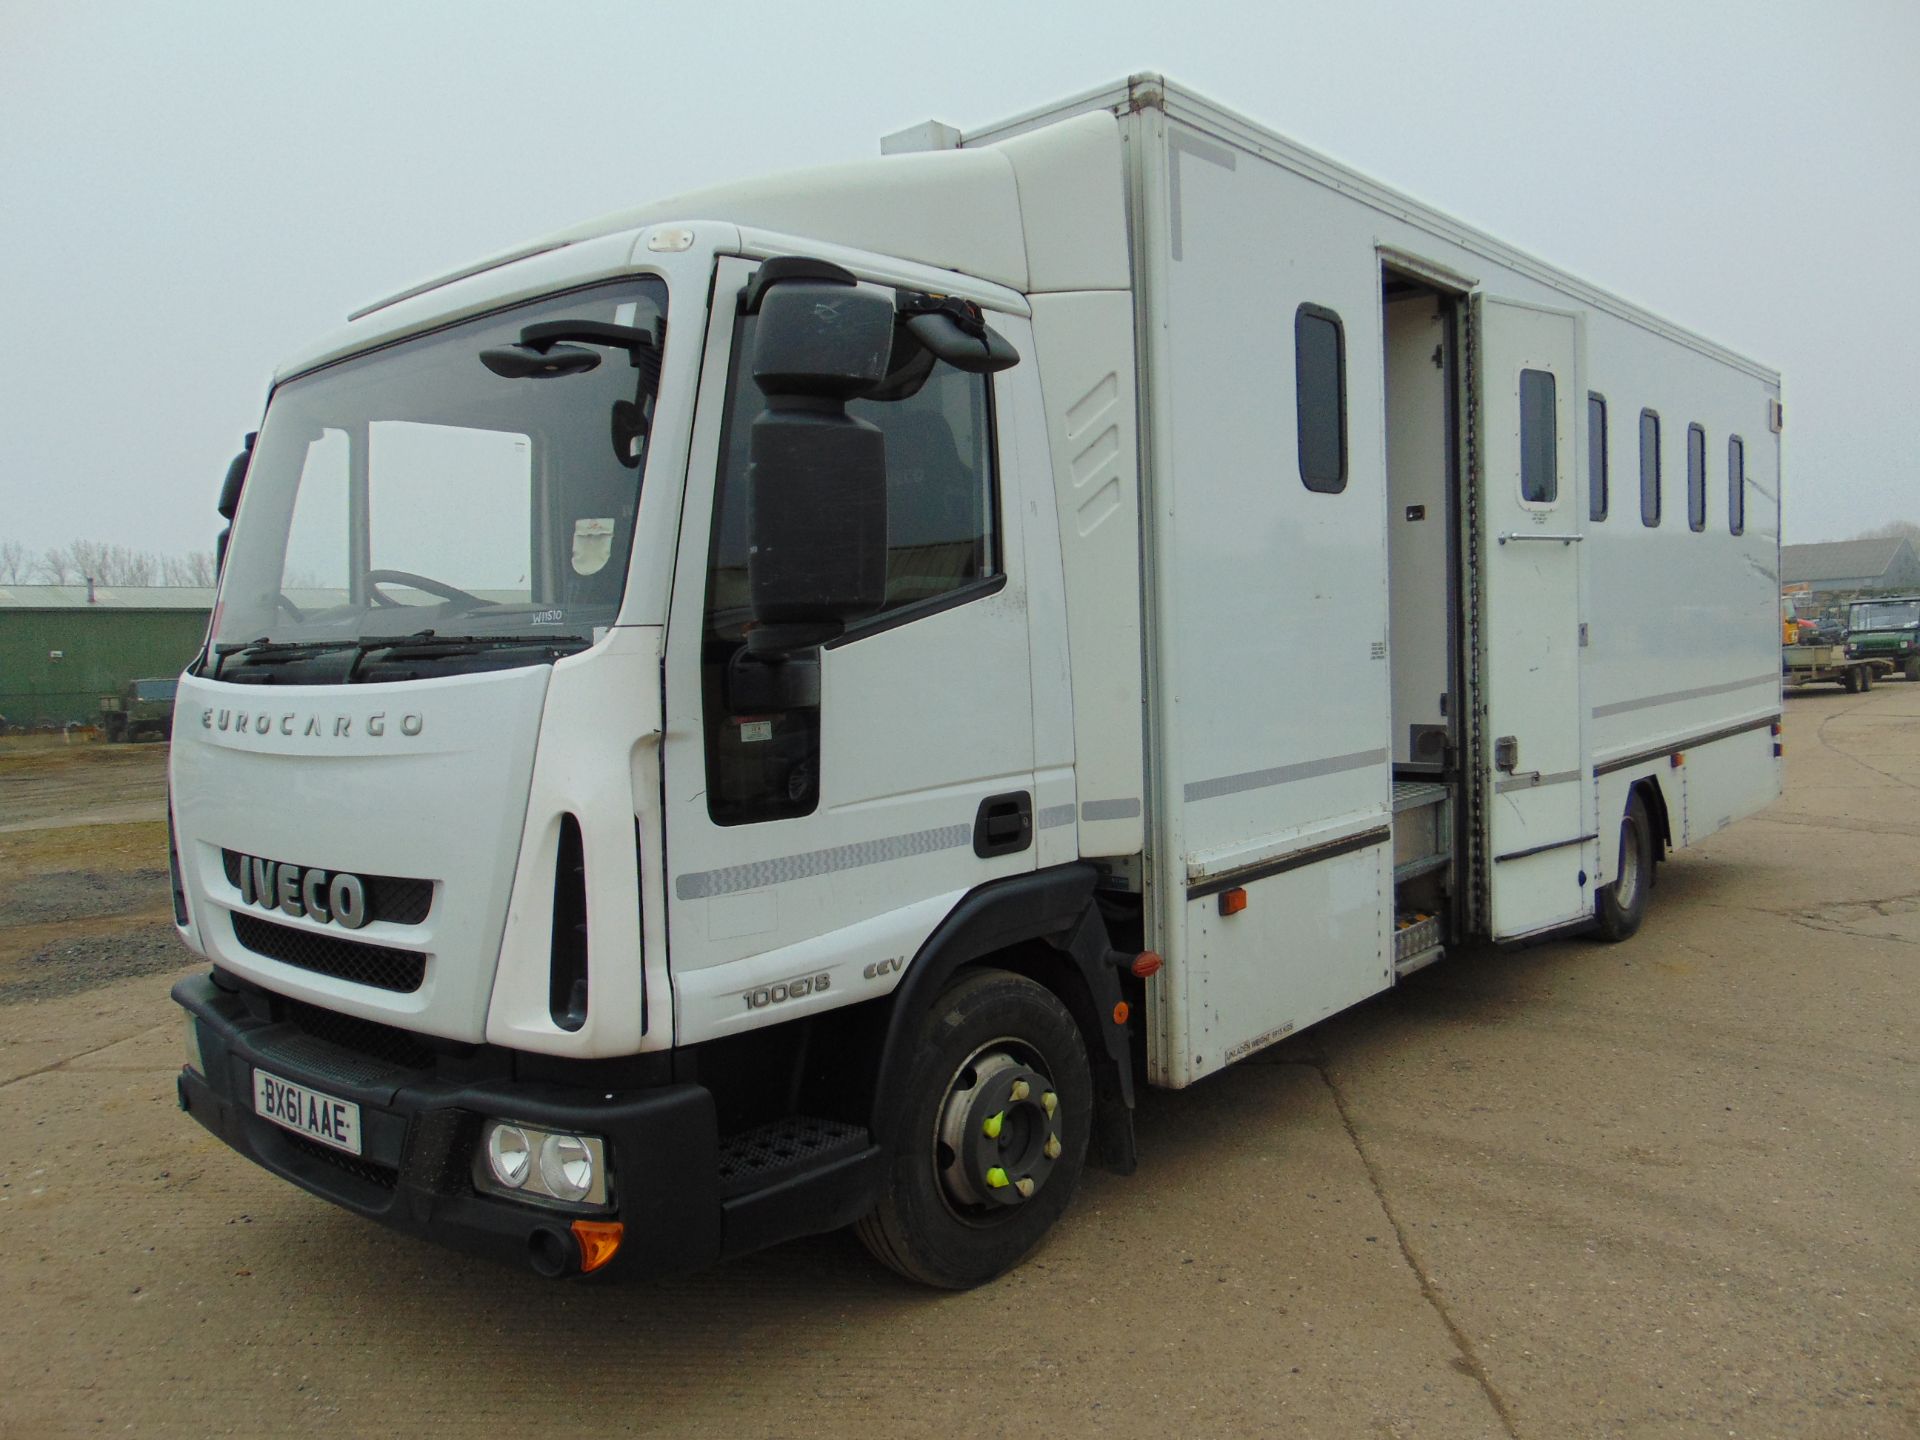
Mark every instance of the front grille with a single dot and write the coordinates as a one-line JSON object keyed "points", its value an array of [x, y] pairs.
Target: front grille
{"points": [[358, 1166], [380, 966], [392, 898], [365, 1037]]}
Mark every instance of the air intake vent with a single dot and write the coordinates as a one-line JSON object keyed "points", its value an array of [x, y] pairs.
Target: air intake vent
{"points": [[173, 871], [567, 991], [380, 966]]}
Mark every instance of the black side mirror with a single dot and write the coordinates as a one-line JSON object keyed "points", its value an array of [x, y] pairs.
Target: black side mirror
{"points": [[229, 503], [816, 477]]}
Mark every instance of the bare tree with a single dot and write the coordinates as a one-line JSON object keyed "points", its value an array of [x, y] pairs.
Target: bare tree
{"points": [[17, 565], [57, 566], [99, 561], [193, 568], [1894, 530]]}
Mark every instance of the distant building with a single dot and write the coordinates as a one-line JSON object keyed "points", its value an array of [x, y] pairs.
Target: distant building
{"points": [[62, 647], [1843, 567]]}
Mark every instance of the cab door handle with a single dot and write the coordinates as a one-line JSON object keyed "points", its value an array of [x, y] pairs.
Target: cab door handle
{"points": [[1003, 825]]}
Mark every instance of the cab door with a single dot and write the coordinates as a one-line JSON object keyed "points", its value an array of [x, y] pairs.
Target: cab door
{"points": [[811, 850], [1535, 782]]}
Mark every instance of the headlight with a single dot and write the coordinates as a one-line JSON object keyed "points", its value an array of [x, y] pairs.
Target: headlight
{"points": [[542, 1166], [566, 1165], [509, 1156]]}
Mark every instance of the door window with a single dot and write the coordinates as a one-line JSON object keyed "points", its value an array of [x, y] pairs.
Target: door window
{"points": [[942, 549], [1539, 439]]}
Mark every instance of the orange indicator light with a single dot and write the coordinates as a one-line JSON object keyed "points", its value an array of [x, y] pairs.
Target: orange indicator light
{"points": [[1144, 964], [1120, 1013], [1233, 901], [599, 1239]]}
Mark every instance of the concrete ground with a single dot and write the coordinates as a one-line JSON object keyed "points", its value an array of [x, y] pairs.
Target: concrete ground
{"points": [[1666, 1188]]}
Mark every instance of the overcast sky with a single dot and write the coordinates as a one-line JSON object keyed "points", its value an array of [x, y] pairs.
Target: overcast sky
{"points": [[189, 191]]}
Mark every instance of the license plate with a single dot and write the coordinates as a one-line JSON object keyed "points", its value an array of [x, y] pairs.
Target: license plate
{"points": [[306, 1112]]}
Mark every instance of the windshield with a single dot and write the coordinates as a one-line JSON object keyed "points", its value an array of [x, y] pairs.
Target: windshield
{"points": [[153, 689], [1885, 615], [461, 504]]}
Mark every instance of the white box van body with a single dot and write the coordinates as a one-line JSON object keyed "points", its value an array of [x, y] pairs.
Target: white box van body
{"points": [[1320, 585]]}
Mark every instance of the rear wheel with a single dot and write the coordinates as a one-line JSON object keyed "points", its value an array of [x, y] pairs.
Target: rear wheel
{"points": [[1851, 681], [1866, 678], [1620, 907], [991, 1135]]}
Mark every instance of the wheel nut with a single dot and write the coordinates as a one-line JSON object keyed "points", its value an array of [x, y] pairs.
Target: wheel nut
{"points": [[1025, 1187], [1053, 1147], [997, 1178], [992, 1128], [1020, 1091], [1049, 1101]]}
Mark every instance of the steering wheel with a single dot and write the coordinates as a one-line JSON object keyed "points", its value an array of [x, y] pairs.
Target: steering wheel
{"points": [[377, 578], [282, 602]]}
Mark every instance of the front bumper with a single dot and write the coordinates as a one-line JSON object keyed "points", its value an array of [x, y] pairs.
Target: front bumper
{"points": [[685, 1195], [419, 1131]]}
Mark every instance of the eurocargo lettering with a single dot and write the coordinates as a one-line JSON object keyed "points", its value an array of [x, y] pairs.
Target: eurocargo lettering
{"points": [[784, 708]]}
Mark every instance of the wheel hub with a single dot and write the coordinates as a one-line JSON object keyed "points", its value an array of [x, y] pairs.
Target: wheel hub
{"points": [[1000, 1127]]}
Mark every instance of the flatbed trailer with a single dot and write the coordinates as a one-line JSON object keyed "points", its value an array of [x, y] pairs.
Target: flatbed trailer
{"points": [[1830, 664]]}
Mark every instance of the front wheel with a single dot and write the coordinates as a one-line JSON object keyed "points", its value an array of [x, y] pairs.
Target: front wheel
{"points": [[991, 1136], [1621, 906]]}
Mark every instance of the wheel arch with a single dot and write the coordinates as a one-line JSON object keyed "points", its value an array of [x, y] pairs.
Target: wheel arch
{"points": [[1655, 799], [1043, 926]]}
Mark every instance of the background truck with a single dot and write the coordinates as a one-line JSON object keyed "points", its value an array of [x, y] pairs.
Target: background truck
{"points": [[831, 684], [142, 710], [1886, 629]]}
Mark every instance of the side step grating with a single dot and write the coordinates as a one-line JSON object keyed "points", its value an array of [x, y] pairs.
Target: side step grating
{"points": [[1417, 943], [767, 1154]]}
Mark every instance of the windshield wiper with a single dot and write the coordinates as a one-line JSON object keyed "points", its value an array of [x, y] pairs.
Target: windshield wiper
{"points": [[266, 648]]}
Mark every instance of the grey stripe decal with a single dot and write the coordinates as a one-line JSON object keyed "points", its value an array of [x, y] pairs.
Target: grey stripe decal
{"points": [[760, 873], [1621, 707], [1282, 775], [1109, 809], [1054, 815], [1534, 782]]}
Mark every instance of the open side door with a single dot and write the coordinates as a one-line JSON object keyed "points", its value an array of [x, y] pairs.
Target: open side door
{"points": [[1537, 841]]}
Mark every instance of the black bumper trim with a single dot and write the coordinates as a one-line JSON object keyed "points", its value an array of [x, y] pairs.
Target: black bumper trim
{"points": [[662, 1149]]}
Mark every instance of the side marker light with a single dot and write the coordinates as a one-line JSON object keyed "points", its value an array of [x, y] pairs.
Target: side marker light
{"points": [[1144, 964], [1233, 901], [599, 1240], [1120, 1013]]}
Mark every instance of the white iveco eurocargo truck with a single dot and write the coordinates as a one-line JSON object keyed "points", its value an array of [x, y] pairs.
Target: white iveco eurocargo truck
{"points": [[783, 708]]}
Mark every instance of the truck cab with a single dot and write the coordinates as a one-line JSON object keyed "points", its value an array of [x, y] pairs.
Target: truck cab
{"points": [[1886, 629], [653, 693]]}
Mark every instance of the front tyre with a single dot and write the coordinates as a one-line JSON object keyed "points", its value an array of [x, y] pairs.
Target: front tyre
{"points": [[991, 1134], [1620, 907]]}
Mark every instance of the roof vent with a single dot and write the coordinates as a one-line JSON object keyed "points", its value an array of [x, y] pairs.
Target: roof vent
{"points": [[928, 135]]}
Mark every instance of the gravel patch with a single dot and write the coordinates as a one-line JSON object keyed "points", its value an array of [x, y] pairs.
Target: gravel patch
{"points": [[80, 894], [70, 966]]}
